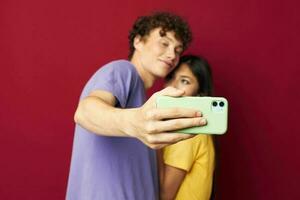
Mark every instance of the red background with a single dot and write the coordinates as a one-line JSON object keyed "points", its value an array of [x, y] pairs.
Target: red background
{"points": [[48, 50]]}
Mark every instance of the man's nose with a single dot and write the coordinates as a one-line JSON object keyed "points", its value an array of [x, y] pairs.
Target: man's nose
{"points": [[171, 54]]}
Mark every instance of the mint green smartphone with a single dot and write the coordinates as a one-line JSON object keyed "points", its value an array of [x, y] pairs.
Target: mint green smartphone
{"points": [[214, 109]]}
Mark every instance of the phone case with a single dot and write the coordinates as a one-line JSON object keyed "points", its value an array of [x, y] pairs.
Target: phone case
{"points": [[214, 109]]}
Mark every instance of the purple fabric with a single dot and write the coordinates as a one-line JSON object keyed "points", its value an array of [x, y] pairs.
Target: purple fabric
{"points": [[109, 168]]}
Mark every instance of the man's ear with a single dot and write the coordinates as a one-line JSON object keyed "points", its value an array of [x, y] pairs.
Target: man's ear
{"points": [[138, 42]]}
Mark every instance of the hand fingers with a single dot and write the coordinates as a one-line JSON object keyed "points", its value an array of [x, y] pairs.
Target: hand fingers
{"points": [[157, 127], [176, 124], [161, 140], [172, 113]]}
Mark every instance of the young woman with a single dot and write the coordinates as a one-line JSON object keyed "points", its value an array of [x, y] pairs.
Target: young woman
{"points": [[187, 168]]}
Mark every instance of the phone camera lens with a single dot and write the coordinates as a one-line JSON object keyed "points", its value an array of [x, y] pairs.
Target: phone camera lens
{"points": [[214, 103], [221, 104]]}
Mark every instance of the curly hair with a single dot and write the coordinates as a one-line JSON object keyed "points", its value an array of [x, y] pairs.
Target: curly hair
{"points": [[164, 20]]}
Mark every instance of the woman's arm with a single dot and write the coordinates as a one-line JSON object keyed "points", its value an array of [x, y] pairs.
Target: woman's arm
{"points": [[170, 178]]}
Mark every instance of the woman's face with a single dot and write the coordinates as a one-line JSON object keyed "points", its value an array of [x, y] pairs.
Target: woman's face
{"points": [[184, 79]]}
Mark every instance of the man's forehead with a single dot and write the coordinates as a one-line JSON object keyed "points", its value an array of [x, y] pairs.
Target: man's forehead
{"points": [[169, 35]]}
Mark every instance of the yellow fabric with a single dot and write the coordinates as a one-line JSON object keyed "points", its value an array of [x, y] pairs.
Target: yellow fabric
{"points": [[197, 157]]}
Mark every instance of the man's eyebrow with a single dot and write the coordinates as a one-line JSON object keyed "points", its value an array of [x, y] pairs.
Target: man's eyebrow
{"points": [[171, 39]]}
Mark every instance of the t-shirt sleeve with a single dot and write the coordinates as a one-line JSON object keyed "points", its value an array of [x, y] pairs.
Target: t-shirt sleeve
{"points": [[116, 78], [180, 155]]}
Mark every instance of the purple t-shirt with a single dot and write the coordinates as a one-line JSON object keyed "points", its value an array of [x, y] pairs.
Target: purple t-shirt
{"points": [[113, 168]]}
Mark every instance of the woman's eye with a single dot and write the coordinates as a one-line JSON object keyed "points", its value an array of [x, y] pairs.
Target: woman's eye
{"points": [[185, 82]]}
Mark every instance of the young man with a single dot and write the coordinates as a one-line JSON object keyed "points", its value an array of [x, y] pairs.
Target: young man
{"points": [[114, 128]]}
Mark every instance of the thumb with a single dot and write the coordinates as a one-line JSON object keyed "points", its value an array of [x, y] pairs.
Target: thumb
{"points": [[171, 91]]}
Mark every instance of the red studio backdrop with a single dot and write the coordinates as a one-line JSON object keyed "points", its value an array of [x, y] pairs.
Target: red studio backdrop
{"points": [[49, 49]]}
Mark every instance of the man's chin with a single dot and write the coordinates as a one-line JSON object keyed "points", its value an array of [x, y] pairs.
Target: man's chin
{"points": [[162, 75]]}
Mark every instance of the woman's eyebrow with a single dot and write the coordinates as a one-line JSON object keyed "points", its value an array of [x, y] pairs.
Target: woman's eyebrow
{"points": [[184, 76]]}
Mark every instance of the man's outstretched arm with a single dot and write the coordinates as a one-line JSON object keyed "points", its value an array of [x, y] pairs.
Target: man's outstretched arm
{"points": [[149, 124]]}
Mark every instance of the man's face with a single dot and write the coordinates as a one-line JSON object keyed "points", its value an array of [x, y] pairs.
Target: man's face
{"points": [[158, 54]]}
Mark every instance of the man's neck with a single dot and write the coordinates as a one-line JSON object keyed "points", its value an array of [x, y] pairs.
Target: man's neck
{"points": [[146, 77]]}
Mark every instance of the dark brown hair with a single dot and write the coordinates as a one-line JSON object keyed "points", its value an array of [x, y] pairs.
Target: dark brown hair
{"points": [[164, 20]]}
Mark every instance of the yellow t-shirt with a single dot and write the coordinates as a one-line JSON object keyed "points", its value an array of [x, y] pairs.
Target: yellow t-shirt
{"points": [[197, 157]]}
